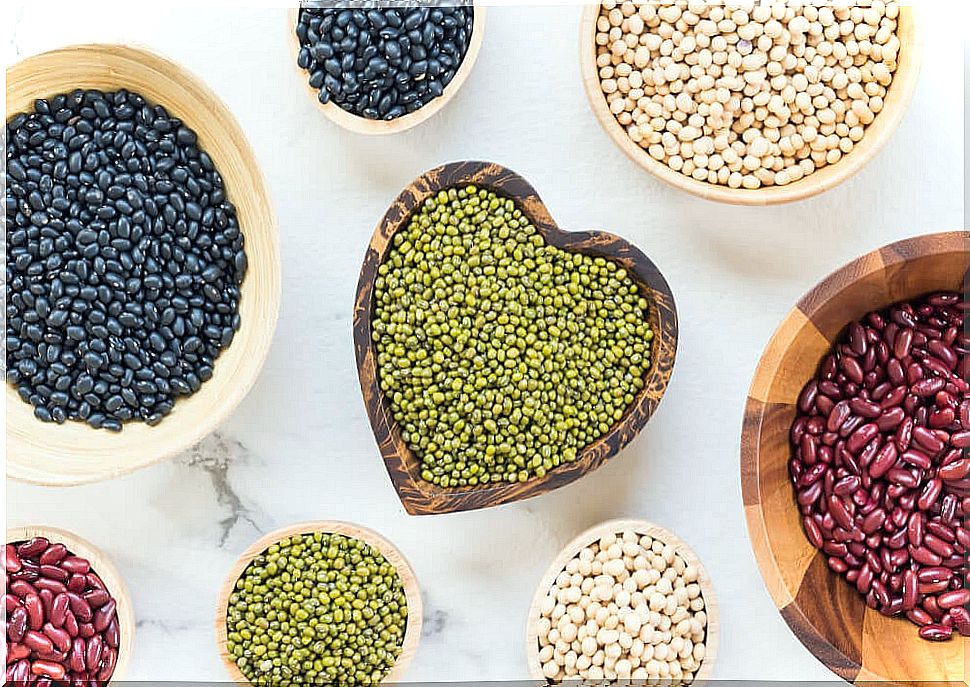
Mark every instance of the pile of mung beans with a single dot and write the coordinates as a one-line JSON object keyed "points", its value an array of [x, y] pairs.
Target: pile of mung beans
{"points": [[502, 356], [124, 259], [746, 94], [317, 608], [881, 469]]}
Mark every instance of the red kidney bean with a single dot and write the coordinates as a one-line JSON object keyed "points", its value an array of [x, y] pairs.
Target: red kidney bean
{"points": [[53, 554], [927, 588], [70, 624], [92, 656], [11, 561], [77, 583], [936, 633], [109, 658], [106, 614], [806, 400], [76, 657], [910, 590], [930, 494], [917, 458], [847, 486], [59, 637], [35, 611], [96, 598], [51, 669], [112, 634], [17, 624], [80, 607], [960, 439], [884, 461], [54, 573], [903, 478], [955, 471], [37, 641], [86, 630], [59, 610], [938, 529], [862, 436], [927, 440], [33, 548], [948, 600], [961, 620], [902, 343], [74, 564], [923, 555]]}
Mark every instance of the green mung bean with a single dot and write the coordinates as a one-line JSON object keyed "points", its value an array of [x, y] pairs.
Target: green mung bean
{"points": [[317, 608], [502, 356]]}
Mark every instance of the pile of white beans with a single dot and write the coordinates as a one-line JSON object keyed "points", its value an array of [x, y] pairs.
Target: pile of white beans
{"points": [[628, 607], [747, 93]]}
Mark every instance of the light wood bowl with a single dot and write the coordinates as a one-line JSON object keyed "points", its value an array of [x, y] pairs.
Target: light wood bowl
{"points": [[423, 498], [362, 125], [412, 633], [73, 453], [593, 534], [108, 573], [825, 612], [882, 128]]}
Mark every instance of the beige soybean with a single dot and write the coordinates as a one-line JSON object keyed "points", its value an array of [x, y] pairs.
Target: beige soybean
{"points": [[626, 607], [746, 95]]}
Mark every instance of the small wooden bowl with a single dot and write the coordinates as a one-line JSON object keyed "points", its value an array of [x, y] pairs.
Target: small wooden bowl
{"points": [[362, 125], [412, 633], [826, 613], [423, 498], [882, 128], [73, 453], [593, 534], [108, 573]]}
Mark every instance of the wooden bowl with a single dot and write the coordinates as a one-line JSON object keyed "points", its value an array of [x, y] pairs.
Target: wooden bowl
{"points": [[108, 573], [593, 534], [826, 613], [362, 125], [896, 102], [423, 498], [73, 453], [412, 633]]}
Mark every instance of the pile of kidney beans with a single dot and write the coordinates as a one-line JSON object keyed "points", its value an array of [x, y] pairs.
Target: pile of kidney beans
{"points": [[881, 468], [61, 621]]}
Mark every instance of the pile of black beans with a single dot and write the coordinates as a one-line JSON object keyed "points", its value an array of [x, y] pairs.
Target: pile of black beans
{"points": [[124, 259], [383, 62]]}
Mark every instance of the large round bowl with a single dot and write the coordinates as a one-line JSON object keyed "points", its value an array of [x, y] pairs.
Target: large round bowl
{"points": [[422, 498], [897, 100], [108, 573], [825, 612], [73, 453], [412, 592], [362, 125]]}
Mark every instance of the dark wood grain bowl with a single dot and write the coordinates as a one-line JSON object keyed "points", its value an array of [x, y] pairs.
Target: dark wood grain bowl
{"points": [[423, 498], [825, 612]]}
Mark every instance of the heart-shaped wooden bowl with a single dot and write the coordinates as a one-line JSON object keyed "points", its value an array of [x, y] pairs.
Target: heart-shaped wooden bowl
{"points": [[412, 592], [362, 125], [824, 611], [73, 453], [108, 573], [882, 128], [593, 534], [423, 498]]}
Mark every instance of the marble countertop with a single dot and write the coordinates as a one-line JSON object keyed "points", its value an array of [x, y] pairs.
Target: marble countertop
{"points": [[300, 447]]}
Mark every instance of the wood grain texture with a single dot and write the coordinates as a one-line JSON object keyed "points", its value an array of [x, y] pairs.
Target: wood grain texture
{"points": [[108, 573], [882, 128], [593, 534], [74, 453], [379, 127], [412, 591], [422, 498], [822, 609]]}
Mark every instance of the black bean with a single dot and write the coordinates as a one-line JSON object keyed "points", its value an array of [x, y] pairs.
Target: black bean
{"points": [[111, 210]]}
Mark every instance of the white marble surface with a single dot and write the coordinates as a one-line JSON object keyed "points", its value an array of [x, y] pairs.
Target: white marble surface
{"points": [[299, 446]]}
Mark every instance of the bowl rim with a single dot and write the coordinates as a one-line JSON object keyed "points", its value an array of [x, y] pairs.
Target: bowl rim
{"points": [[22, 469], [409, 581], [877, 134], [423, 498], [885, 257], [380, 127], [106, 570], [592, 534]]}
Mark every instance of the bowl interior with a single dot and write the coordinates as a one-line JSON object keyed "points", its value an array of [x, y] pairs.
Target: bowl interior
{"points": [[825, 612], [412, 633], [47, 453], [593, 534], [108, 573], [897, 100], [420, 497]]}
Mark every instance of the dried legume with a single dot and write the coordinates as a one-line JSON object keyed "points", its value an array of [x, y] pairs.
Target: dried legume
{"points": [[627, 607], [383, 62], [124, 259], [746, 94], [881, 469], [317, 608], [501, 356], [61, 621]]}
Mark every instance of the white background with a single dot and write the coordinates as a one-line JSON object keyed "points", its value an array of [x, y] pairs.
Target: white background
{"points": [[300, 447]]}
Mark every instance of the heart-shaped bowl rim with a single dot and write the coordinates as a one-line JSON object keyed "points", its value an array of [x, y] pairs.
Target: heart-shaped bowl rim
{"points": [[423, 498]]}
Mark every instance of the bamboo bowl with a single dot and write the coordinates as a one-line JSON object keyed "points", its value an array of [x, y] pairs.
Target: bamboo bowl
{"points": [[826, 613], [108, 573], [362, 125], [74, 453], [412, 633], [403, 466], [593, 534], [896, 102]]}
